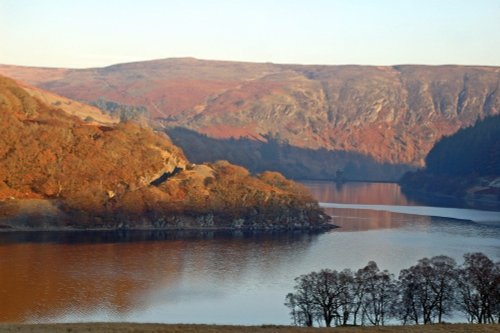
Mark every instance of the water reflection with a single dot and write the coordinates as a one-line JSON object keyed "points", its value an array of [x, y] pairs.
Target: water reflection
{"points": [[124, 236], [365, 193], [359, 193], [360, 220], [370, 206], [41, 280], [214, 277]]}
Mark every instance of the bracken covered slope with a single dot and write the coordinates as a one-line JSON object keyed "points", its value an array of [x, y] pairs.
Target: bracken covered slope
{"points": [[57, 170], [391, 114]]}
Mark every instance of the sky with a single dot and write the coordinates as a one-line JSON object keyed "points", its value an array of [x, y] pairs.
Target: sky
{"points": [[95, 33]]}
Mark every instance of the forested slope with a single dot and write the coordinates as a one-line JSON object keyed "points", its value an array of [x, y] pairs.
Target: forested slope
{"points": [[465, 164]]}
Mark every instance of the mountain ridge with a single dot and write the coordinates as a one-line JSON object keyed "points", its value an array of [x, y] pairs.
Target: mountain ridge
{"points": [[394, 114]]}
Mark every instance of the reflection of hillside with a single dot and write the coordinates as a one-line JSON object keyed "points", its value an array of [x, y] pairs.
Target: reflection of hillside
{"points": [[360, 220], [368, 194], [358, 193], [40, 280]]}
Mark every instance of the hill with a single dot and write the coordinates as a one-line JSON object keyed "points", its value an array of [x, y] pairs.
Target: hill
{"points": [[381, 120], [465, 164], [59, 171]]}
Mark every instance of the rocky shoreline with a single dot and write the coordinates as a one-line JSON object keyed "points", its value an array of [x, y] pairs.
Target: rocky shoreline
{"points": [[266, 228], [44, 215]]}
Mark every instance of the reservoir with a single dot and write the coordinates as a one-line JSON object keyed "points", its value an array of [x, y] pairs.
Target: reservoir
{"points": [[223, 278]]}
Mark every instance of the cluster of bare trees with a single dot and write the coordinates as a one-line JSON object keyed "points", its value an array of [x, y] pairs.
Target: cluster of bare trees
{"points": [[423, 294]]}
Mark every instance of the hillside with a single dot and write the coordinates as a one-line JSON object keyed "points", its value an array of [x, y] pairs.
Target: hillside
{"points": [[384, 119], [58, 171], [465, 164]]}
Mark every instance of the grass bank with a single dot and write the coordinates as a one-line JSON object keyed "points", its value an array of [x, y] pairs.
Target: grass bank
{"points": [[177, 328]]}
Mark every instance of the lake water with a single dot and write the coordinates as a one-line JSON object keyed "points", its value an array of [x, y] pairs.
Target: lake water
{"points": [[221, 278]]}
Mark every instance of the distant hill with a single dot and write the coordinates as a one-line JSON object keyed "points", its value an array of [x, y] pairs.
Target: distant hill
{"points": [[382, 118], [465, 164], [81, 110], [59, 171]]}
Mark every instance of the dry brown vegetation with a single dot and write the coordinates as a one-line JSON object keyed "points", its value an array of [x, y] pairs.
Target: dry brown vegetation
{"points": [[83, 111], [104, 176], [46, 153], [177, 328]]}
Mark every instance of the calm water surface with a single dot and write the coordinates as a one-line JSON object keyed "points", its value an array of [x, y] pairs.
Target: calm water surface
{"points": [[220, 278]]}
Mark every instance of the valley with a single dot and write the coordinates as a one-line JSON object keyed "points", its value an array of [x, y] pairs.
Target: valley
{"points": [[371, 122]]}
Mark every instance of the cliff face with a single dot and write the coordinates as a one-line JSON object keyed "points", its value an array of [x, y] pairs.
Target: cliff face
{"points": [[58, 170], [390, 114]]}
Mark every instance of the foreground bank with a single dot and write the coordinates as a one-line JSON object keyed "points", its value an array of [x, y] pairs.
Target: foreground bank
{"points": [[175, 328]]}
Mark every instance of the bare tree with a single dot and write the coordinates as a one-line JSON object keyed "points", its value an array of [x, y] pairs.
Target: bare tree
{"points": [[358, 291], [427, 290], [425, 293], [347, 296], [443, 284], [380, 294], [478, 287], [303, 310], [318, 295], [409, 309], [327, 294], [496, 297]]}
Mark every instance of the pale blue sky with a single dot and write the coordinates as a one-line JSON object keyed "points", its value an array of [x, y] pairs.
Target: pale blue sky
{"points": [[86, 33]]}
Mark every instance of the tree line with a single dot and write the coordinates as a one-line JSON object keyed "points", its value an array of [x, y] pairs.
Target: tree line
{"points": [[458, 162], [473, 150], [425, 293]]}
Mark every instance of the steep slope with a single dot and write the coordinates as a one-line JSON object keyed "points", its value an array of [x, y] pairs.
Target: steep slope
{"points": [[465, 164], [83, 111], [57, 171], [392, 115]]}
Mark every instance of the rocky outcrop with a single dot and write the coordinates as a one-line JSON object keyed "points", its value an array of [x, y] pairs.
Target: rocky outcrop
{"points": [[392, 114], [58, 172]]}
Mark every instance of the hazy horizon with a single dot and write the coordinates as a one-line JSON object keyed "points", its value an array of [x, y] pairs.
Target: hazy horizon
{"points": [[248, 61], [384, 33]]}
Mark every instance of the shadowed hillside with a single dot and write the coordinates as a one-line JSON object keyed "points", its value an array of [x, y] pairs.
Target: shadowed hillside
{"points": [[465, 164], [277, 155], [393, 114]]}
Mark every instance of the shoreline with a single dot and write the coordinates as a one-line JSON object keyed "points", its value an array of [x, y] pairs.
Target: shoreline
{"points": [[263, 229], [459, 214], [36, 215], [455, 201]]}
